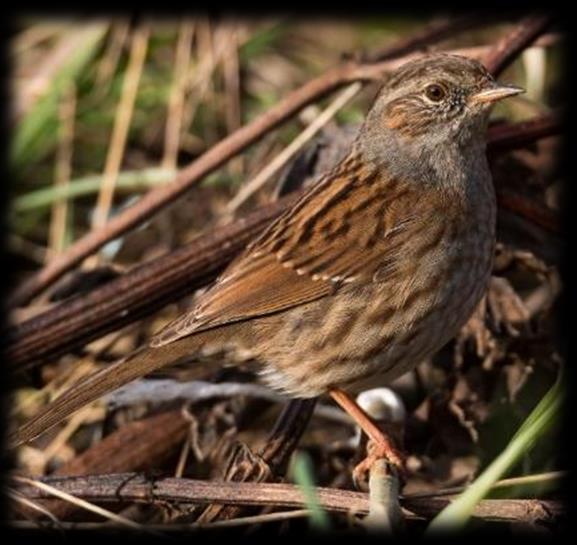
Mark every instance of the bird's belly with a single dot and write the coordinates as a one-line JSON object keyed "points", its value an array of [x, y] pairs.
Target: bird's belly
{"points": [[346, 340]]}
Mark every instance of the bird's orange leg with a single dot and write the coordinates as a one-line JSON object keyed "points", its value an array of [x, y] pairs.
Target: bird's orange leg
{"points": [[382, 446]]}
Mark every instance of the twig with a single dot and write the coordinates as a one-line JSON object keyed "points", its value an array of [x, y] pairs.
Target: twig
{"points": [[52, 491], [32, 507], [121, 125], [255, 519], [536, 212], [232, 523], [134, 487], [551, 477], [509, 136], [293, 148], [157, 391], [514, 42], [147, 287], [208, 162]]}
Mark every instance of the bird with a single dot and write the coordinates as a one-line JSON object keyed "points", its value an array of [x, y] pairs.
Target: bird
{"points": [[373, 269]]}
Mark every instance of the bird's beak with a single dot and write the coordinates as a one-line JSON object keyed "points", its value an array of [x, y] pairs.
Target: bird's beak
{"points": [[495, 93]]}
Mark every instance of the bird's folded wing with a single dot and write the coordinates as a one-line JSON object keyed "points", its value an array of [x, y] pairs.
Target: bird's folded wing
{"points": [[343, 232]]}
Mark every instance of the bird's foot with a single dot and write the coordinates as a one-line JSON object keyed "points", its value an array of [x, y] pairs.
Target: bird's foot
{"points": [[377, 450]]}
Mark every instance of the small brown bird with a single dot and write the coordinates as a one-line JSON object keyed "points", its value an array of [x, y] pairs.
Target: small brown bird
{"points": [[376, 267]]}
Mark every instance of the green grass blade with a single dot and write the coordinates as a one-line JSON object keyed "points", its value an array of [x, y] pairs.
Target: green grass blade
{"points": [[43, 113], [132, 180], [457, 514], [303, 475]]}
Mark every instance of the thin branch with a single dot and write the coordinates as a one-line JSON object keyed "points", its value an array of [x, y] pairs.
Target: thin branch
{"points": [[255, 519], [514, 42], [530, 209], [71, 498], [231, 523], [134, 487], [509, 136]]}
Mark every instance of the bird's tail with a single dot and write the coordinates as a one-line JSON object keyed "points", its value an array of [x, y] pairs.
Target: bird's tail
{"points": [[137, 364]]}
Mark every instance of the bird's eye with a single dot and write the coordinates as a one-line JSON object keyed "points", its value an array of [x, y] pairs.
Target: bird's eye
{"points": [[435, 92]]}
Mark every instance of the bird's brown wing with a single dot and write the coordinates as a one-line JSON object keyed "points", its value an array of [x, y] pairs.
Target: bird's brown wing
{"points": [[351, 225]]}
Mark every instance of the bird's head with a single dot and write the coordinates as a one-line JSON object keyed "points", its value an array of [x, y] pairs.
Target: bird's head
{"points": [[437, 98]]}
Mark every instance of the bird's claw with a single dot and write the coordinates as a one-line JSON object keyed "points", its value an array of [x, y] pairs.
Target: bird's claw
{"points": [[377, 451]]}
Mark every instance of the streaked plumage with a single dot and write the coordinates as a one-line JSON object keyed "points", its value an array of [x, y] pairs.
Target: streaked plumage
{"points": [[374, 268]]}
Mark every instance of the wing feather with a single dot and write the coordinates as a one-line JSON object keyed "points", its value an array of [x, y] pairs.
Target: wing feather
{"points": [[349, 227]]}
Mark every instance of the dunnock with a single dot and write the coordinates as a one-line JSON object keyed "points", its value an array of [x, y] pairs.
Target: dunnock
{"points": [[373, 269]]}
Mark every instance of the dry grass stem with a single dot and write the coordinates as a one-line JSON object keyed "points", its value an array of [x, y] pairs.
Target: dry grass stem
{"points": [[176, 97], [198, 83], [109, 61], [121, 125], [70, 39], [29, 504], [256, 519], [89, 413], [231, 73], [63, 169]]}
